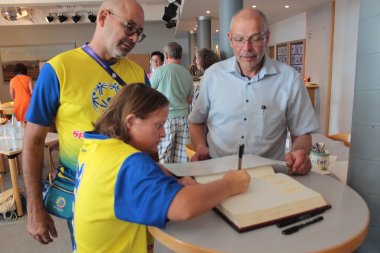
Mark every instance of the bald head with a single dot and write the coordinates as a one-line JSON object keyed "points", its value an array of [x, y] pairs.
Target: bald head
{"points": [[122, 5], [249, 13]]}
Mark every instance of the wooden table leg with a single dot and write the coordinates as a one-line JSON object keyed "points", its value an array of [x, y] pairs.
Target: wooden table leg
{"points": [[14, 177]]}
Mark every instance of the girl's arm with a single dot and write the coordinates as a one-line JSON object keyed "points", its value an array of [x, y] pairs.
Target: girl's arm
{"points": [[193, 200]]}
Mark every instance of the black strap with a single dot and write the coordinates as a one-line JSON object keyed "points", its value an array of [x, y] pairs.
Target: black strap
{"points": [[103, 63]]}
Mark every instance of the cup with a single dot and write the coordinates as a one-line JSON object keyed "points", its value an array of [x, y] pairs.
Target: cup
{"points": [[320, 161]]}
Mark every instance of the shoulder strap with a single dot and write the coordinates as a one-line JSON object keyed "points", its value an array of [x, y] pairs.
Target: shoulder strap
{"points": [[103, 64]]}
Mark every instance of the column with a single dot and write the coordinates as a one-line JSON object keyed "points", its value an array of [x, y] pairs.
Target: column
{"points": [[227, 9], [204, 32], [192, 37], [364, 161]]}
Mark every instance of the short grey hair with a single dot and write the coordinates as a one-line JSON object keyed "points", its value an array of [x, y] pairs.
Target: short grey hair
{"points": [[264, 19], [174, 50]]}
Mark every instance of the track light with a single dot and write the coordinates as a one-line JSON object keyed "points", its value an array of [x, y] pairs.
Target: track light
{"points": [[49, 18], [92, 17], [62, 18], [76, 18]]}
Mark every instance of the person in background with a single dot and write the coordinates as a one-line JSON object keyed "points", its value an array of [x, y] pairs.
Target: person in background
{"points": [[156, 60], [195, 72], [119, 188], [20, 90], [253, 100], [72, 91], [204, 59], [175, 82]]}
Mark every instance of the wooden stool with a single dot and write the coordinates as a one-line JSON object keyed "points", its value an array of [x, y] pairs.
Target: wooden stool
{"points": [[2, 183]]}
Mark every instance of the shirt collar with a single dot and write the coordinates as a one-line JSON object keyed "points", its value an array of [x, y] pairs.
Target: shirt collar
{"points": [[269, 68]]}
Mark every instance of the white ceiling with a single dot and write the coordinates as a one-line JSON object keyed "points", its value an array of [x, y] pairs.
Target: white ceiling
{"points": [[190, 9]]}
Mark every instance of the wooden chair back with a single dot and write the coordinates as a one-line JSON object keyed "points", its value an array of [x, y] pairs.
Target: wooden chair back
{"points": [[343, 137], [6, 108], [190, 151], [174, 244]]}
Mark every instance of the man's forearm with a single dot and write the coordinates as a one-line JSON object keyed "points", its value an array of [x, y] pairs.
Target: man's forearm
{"points": [[303, 142], [198, 134]]}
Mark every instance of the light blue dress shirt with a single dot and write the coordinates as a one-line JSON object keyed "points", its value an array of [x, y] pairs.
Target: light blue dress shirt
{"points": [[255, 112]]}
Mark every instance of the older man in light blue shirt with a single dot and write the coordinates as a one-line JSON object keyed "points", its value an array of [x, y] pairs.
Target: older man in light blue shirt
{"points": [[253, 100]]}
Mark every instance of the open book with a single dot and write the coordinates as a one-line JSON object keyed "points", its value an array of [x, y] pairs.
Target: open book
{"points": [[271, 198]]}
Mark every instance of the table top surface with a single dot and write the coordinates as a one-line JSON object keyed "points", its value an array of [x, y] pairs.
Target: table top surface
{"points": [[342, 230]]}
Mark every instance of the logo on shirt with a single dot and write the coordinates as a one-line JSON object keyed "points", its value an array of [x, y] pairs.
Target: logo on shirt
{"points": [[102, 95]]}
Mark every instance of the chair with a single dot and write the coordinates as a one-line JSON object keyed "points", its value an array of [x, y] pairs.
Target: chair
{"points": [[2, 183], [51, 147], [6, 108], [174, 244], [190, 151], [343, 137]]}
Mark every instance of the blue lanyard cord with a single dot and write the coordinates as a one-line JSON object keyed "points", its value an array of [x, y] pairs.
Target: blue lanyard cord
{"points": [[103, 63]]}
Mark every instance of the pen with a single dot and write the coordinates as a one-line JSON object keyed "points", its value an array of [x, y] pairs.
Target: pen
{"points": [[241, 152], [296, 228], [299, 218]]}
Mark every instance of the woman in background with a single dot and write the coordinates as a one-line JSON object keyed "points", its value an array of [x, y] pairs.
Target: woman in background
{"points": [[204, 59], [20, 89], [156, 60]]}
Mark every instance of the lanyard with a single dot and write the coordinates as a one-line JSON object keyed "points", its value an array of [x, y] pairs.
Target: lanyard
{"points": [[103, 63]]}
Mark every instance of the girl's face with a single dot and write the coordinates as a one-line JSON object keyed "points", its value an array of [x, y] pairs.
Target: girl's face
{"points": [[145, 134]]}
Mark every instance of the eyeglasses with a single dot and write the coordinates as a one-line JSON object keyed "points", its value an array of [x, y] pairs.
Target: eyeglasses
{"points": [[130, 28], [155, 61], [254, 40]]}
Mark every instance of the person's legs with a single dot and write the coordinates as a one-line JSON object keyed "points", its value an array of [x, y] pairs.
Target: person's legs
{"points": [[165, 148], [182, 137], [71, 230]]}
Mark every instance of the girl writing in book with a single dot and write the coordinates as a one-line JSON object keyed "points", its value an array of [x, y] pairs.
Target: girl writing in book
{"points": [[120, 189]]}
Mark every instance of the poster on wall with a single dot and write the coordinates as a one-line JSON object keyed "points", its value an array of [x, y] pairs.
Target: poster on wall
{"points": [[31, 56]]}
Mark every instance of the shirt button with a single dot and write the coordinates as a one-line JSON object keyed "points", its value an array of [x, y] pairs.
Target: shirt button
{"points": [[247, 100], [245, 118], [242, 137]]}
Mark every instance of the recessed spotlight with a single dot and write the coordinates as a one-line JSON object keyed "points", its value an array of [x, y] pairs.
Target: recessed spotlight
{"points": [[62, 18], [287, 6], [208, 12], [49, 18], [76, 18], [217, 30], [254, 6]]}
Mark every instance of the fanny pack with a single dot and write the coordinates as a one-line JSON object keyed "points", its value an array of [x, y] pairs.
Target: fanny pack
{"points": [[58, 193]]}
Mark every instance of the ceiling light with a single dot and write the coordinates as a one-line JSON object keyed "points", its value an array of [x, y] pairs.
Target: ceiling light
{"points": [[254, 6], [287, 6], [49, 18], [208, 12], [76, 18], [92, 17], [62, 18], [14, 13], [170, 12], [217, 30]]}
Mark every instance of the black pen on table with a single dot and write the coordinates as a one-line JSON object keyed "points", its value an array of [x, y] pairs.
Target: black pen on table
{"points": [[296, 228], [241, 152]]}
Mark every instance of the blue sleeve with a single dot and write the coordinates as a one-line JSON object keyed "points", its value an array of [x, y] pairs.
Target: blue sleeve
{"points": [[147, 82], [45, 98], [143, 193]]}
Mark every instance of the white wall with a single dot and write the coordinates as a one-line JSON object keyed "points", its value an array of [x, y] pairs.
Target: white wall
{"points": [[318, 55], [344, 63], [157, 37], [293, 28]]}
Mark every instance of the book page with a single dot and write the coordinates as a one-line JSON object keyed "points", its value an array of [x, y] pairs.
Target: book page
{"points": [[218, 165], [255, 173], [270, 198]]}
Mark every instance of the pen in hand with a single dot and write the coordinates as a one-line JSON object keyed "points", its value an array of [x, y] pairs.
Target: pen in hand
{"points": [[241, 152]]}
